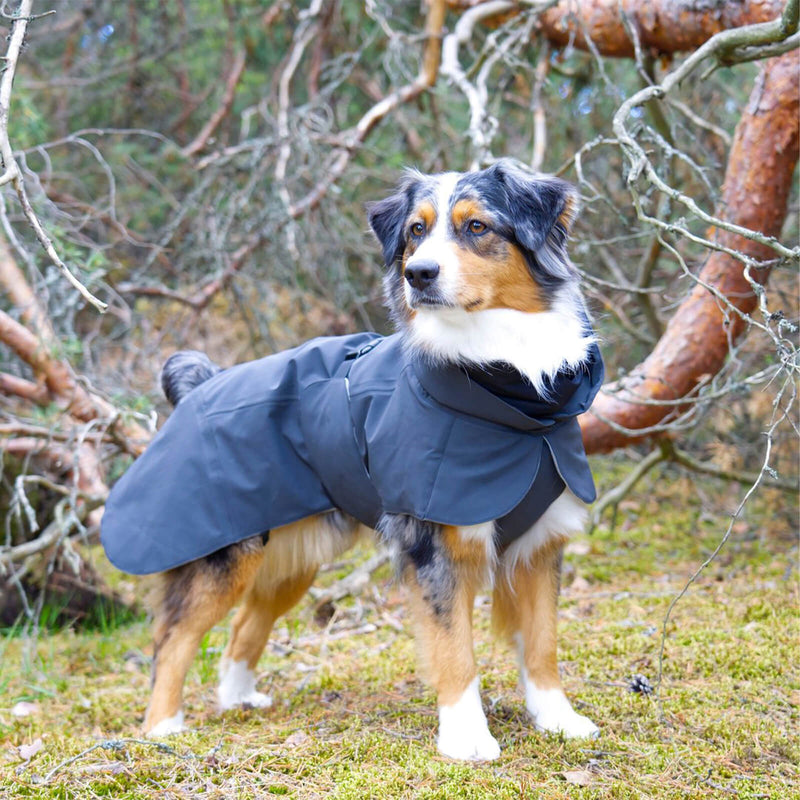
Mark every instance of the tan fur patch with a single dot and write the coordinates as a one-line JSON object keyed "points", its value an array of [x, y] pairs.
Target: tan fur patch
{"points": [[303, 545], [466, 210], [427, 213], [291, 559], [498, 279], [493, 272], [424, 213], [465, 552], [445, 648], [262, 605], [527, 606], [569, 213]]}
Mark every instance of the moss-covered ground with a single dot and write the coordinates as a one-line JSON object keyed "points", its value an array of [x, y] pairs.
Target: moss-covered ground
{"points": [[353, 720]]}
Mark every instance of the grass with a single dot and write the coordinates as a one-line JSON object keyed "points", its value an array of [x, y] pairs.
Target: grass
{"points": [[352, 719]]}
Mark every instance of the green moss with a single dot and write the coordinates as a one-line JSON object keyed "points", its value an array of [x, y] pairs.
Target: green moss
{"points": [[353, 720]]}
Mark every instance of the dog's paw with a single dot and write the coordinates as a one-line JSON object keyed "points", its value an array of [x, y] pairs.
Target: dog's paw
{"points": [[167, 727], [237, 687], [468, 745], [552, 712], [571, 725], [463, 730], [252, 699]]}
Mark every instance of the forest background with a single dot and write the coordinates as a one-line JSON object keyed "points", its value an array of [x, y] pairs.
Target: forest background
{"points": [[199, 172]]}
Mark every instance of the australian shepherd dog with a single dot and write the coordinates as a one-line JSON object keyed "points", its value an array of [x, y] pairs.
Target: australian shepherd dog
{"points": [[477, 274]]}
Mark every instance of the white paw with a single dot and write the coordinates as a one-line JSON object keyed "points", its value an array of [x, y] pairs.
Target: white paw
{"points": [[468, 745], [168, 727], [571, 725], [463, 731], [237, 687], [551, 711], [250, 700]]}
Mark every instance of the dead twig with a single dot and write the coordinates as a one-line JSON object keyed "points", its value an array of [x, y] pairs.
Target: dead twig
{"points": [[537, 109], [699, 571], [429, 70], [352, 584], [12, 173], [116, 745], [722, 46], [53, 533]]}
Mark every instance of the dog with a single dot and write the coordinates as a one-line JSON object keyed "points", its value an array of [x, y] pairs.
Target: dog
{"points": [[456, 439]]}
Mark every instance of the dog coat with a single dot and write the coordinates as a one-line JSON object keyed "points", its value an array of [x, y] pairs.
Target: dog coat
{"points": [[353, 423]]}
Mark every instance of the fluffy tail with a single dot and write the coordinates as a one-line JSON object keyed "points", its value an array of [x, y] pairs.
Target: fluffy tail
{"points": [[183, 371]]}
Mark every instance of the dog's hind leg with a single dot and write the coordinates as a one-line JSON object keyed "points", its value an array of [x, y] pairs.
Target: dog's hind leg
{"points": [[443, 569], [191, 600], [266, 600], [291, 559], [525, 608]]}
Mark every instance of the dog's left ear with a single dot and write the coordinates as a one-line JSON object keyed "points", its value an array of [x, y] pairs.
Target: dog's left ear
{"points": [[541, 210]]}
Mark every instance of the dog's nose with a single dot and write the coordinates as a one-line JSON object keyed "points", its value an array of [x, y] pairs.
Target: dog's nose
{"points": [[421, 274]]}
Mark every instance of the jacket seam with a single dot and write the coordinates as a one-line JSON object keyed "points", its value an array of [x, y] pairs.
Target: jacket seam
{"points": [[442, 453]]}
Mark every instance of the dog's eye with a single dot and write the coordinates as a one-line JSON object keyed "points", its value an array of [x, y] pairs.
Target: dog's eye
{"points": [[476, 226], [417, 229]]}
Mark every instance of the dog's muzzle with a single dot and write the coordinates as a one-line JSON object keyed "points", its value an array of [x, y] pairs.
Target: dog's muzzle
{"points": [[423, 287]]}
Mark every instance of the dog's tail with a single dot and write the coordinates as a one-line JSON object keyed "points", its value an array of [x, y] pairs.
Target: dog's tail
{"points": [[185, 370]]}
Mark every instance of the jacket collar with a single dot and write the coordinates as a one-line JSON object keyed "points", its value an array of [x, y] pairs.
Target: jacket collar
{"points": [[498, 393]]}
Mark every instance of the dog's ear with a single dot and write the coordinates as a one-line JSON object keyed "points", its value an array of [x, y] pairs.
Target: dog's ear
{"points": [[541, 210], [387, 218]]}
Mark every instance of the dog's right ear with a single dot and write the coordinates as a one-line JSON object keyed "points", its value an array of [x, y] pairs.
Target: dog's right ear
{"points": [[387, 219]]}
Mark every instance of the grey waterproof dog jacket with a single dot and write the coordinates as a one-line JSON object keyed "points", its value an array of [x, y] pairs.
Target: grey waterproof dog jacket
{"points": [[353, 423]]}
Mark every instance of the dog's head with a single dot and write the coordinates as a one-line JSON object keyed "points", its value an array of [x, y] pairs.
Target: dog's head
{"points": [[475, 241]]}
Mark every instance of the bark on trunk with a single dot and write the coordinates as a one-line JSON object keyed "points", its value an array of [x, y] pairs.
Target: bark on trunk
{"points": [[696, 342], [663, 26]]}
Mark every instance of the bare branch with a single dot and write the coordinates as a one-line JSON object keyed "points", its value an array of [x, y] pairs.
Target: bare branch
{"points": [[537, 109], [12, 172], [353, 583], [226, 103], [429, 69], [614, 496], [452, 69], [719, 46], [27, 390]]}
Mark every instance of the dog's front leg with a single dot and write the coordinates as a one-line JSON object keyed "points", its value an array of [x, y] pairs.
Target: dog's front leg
{"points": [[525, 606], [442, 572]]}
